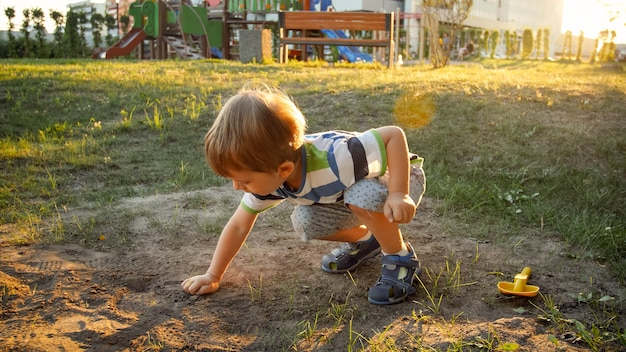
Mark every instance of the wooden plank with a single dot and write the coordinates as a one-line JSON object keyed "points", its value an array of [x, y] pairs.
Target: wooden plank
{"points": [[330, 41], [316, 20]]}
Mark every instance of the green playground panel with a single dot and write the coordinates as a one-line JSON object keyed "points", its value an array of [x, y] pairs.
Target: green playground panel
{"points": [[145, 15], [151, 12], [135, 12], [194, 20]]}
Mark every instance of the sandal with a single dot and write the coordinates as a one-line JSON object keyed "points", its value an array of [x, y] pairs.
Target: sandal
{"points": [[349, 256], [389, 288]]}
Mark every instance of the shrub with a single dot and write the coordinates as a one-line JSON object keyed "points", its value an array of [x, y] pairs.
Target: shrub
{"points": [[527, 43]]}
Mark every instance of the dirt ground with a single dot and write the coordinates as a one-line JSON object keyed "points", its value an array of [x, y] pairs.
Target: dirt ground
{"points": [[121, 291]]}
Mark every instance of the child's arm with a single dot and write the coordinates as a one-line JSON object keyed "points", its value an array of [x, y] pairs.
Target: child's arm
{"points": [[231, 239], [399, 206]]}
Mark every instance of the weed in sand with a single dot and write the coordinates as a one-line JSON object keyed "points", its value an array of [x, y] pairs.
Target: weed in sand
{"points": [[308, 328], [154, 343], [551, 312], [491, 342], [353, 337], [445, 282], [338, 311], [256, 293], [85, 230], [435, 301], [381, 341]]}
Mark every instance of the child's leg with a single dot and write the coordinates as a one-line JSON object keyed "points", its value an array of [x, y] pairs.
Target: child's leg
{"points": [[387, 233], [359, 245], [353, 234], [399, 262], [335, 222]]}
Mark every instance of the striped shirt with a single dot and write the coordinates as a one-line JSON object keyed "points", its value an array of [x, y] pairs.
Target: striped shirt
{"points": [[331, 162]]}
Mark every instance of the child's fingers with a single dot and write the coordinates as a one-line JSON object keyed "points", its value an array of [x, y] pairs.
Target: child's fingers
{"points": [[388, 211], [187, 285], [207, 289]]}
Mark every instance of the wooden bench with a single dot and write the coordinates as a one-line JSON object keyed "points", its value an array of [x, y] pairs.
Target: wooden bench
{"points": [[308, 21]]}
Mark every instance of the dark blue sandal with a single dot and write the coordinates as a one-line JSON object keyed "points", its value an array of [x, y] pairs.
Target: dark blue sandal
{"points": [[349, 256], [389, 289]]}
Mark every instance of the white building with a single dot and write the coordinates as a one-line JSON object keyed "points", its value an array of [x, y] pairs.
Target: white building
{"points": [[502, 15]]}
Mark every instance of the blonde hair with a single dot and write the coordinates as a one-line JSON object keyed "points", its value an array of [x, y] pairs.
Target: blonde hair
{"points": [[258, 129]]}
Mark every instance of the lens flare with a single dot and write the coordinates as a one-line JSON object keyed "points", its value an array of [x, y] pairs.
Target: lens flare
{"points": [[414, 110]]}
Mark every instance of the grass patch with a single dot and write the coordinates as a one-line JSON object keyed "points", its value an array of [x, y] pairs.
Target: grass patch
{"points": [[510, 147]]}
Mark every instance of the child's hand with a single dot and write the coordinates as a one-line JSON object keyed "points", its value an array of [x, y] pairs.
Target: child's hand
{"points": [[399, 207], [201, 284]]}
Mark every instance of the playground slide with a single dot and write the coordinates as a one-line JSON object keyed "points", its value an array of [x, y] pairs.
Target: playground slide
{"points": [[216, 53], [126, 44], [350, 53]]}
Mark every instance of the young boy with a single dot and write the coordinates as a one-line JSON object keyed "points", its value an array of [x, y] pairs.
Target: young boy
{"points": [[348, 187]]}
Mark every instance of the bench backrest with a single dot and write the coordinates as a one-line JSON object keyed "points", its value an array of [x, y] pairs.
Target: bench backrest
{"points": [[317, 20]]}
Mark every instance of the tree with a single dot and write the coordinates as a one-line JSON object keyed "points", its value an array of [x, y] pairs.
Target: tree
{"points": [[594, 53], [42, 49], [538, 44], [484, 41], [507, 44], [71, 37], [82, 21], [546, 43], [26, 44], [451, 12], [125, 20], [567, 46], [110, 25], [11, 49], [59, 20], [97, 22], [527, 43], [495, 37], [607, 50], [579, 51]]}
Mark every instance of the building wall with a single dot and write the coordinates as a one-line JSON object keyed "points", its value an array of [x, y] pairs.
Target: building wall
{"points": [[503, 15]]}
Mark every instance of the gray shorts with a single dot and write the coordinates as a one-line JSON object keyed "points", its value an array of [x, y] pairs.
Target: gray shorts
{"points": [[321, 220]]}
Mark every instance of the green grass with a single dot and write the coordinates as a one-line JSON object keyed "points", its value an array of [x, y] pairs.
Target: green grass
{"points": [[530, 148], [533, 147]]}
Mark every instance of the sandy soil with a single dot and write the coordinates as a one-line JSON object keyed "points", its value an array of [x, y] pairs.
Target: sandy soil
{"points": [[121, 291]]}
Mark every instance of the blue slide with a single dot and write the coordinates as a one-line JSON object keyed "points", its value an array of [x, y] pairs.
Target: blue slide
{"points": [[215, 52], [350, 53]]}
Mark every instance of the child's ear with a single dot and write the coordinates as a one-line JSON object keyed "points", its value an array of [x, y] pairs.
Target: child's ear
{"points": [[286, 168]]}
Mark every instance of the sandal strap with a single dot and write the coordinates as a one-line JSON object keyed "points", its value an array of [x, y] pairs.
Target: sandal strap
{"points": [[406, 261], [393, 282]]}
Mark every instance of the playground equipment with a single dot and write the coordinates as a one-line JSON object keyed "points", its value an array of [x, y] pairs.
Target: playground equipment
{"points": [[310, 24], [519, 287], [167, 29], [349, 53], [172, 29]]}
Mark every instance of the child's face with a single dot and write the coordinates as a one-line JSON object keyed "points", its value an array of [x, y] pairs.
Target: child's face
{"points": [[261, 183]]}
